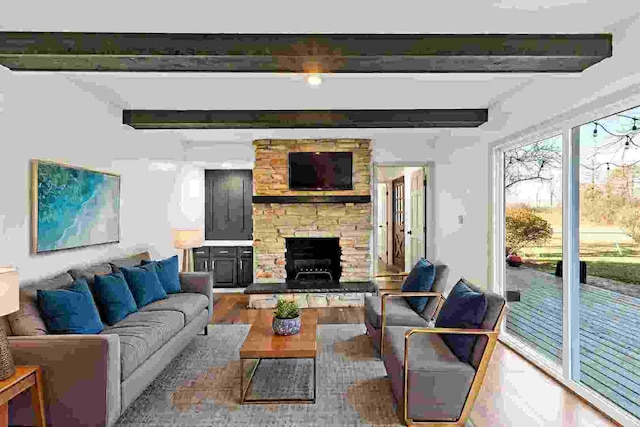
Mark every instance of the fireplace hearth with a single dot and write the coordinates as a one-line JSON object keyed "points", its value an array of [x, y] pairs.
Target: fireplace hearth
{"points": [[313, 259]]}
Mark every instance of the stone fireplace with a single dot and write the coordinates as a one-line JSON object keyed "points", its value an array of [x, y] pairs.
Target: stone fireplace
{"points": [[313, 259], [276, 226]]}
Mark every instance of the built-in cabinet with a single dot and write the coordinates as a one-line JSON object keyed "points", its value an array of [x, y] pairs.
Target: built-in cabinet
{"points": [[232, 266], [228, 199], [228, 207]]}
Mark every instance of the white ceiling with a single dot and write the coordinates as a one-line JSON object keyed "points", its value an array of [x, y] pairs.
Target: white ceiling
{"points": [[514, 100]]}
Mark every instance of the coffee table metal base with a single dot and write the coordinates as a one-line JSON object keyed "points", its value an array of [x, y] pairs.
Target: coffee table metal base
{"points": [[244, 390]]}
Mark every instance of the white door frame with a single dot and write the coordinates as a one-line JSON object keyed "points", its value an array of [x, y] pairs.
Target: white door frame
{"points": [[429, 214]]}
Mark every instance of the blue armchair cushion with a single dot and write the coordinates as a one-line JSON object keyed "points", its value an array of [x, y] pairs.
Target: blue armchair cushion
{"points": [[144, 284], [114, 298], [463, 308], [168, 274], [70, 310], [420, 279]]}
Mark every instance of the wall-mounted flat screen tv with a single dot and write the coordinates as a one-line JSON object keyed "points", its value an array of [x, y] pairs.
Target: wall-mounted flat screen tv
{"points": [[321, 171]]}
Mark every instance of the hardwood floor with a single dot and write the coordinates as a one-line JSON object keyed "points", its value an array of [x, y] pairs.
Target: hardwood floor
{"points": [[514, 392]]}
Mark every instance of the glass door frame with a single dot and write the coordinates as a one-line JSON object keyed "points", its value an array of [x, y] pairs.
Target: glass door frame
{"points": [[567, 125]]}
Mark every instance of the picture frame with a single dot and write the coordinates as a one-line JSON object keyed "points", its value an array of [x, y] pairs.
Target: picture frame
{"points": [[72, 207]]}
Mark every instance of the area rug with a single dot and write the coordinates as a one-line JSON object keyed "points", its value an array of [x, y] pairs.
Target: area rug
{"points": [[201, 387]]}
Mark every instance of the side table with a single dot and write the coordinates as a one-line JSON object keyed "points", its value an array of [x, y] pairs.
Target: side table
{"points": [[25, 377]]}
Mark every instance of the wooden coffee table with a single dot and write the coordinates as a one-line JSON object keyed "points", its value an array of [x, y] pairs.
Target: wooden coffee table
{"points": [[262, 343]]}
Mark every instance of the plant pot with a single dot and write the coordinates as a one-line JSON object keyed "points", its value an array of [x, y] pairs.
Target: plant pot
{"points": [[286, 326]]}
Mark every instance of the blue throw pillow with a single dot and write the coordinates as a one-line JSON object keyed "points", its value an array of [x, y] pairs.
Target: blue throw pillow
{"points": [[70, 310], [420, 279], [168, 273], [463, 308], [144, 284], [114, 298]]}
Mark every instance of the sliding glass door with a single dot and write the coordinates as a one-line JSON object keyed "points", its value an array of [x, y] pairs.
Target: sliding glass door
{"points": [[568, 256], [609, 264], [533, 243]]}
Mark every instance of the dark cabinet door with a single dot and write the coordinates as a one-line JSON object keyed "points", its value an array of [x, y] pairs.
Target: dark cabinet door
{"points": [[201, 264], [228, 205], [245, 271], [225, 272]]}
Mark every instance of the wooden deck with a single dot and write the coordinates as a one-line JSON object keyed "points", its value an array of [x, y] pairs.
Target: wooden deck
{"points": [[609, 332]]}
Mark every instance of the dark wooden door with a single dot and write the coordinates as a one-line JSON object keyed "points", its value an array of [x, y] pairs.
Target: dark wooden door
{"points": [[245, 271], [201, 264], [398, 222], [225, 272], [228, 205]]}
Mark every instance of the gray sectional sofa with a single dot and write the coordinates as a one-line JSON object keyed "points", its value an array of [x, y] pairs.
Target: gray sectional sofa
{"points": [[89, 380]]}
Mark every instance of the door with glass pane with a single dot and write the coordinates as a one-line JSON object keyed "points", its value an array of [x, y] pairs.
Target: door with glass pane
{"points": [[533, 241], [609, 255]]}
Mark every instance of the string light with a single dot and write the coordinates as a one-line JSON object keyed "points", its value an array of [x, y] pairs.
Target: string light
{"points": [[634, 128], [595, 129]]}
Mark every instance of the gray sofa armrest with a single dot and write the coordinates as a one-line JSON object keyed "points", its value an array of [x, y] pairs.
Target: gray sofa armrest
{"points": [[199, 282], [81, 377]]}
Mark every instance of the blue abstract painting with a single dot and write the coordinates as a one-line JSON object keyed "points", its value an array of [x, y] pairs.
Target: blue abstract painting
{"points": [[74, 207]]}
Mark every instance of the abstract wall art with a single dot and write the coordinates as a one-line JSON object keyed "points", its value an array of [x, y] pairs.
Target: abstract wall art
{"points": [[73, 207]]}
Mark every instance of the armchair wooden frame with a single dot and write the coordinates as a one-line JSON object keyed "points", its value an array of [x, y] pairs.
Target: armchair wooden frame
{"points": [[492, 336], [392, 294]]}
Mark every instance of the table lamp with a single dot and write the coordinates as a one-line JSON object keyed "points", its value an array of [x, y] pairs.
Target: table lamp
{"points": [[187, 239], [9, 303]]}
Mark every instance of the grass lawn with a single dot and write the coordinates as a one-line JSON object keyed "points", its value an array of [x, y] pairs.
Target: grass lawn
{"points": [[613, 260], [620, 271]]}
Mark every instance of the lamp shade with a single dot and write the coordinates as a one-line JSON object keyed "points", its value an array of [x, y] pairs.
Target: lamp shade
{"points": [[188, 238], [9, 290]]}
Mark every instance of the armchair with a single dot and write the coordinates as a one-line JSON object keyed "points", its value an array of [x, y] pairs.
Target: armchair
{"points": [[428, 380], [387, 309]]}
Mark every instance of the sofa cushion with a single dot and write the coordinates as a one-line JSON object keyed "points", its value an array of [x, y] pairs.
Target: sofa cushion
{"points": [[495, 305], [464, 308], [190, 305], [144, 284], [113, 297], [168, 273], [90, 272], [420, 279], [70, 310], [438, 381], [27, 320], [130, 261], [143, 333], [398, 312], [439, 285]]}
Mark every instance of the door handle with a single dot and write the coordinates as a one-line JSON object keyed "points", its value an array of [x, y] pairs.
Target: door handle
{"points": [[213, 264], [224, 252], [409, 232], [241, 267], [206, 265]]}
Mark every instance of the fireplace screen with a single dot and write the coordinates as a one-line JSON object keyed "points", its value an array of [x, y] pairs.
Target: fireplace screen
{"points": [[313, 259]]}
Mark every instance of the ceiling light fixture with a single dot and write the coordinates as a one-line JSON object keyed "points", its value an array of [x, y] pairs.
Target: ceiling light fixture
{"points": [[313, 79]]}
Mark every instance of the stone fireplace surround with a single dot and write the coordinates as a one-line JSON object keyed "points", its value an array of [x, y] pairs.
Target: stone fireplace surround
{"points": [[273, 223]]}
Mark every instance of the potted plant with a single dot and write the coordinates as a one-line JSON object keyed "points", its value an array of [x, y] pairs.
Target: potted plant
{"points": [[286, 318]]}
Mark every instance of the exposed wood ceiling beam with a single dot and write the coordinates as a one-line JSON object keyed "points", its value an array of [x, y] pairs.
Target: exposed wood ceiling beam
{"points": [[336, 53], [281, 119]]}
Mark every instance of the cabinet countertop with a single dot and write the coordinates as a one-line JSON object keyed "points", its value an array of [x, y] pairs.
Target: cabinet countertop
{"points": [[228, 243]]}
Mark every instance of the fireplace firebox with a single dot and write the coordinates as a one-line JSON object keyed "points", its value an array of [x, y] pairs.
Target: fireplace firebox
{"points": [[313, 259]]}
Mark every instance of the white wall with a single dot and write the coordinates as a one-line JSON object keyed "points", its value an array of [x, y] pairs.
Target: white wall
{"points": [[462, 188], [49, 117]]}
